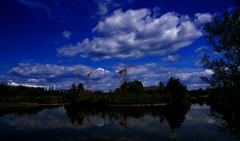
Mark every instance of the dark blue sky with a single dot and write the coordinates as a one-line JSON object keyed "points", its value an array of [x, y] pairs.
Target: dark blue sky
{"points": [[46, 42]]}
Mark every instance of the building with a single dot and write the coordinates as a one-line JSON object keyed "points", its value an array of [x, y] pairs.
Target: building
{"points": [[14, 84]]}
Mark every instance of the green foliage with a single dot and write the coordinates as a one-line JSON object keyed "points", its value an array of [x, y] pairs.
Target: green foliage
{"points": [[134, 87], [161, 87], [80, 88], [176, 91], [224, 35], [29, 95], [129, 93], [75, 90]]}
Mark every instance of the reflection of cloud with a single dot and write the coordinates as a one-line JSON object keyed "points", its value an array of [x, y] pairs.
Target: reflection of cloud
{"points": [[198, 123], [54, 119], [152, 124], [200, 114], [47, 119]]}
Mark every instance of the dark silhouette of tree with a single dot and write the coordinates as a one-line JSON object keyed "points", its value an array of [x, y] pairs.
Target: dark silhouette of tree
{"points": [[77, 89], [134, 87], [161, 87], [175, 115], [80, 88], [73, 87], [224, 35], [175, 89]]}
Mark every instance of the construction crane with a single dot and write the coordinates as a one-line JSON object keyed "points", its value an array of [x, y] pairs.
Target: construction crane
{"points": [[122, 73], [89, 87], [78, 77]]}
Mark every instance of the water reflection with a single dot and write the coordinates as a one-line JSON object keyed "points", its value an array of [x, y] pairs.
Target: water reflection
{"points": [[173, 114], [230, 116], [175, 122]]}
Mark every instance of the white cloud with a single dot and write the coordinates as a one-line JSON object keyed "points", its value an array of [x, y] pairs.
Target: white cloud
{"points": [[202, 18], [197, 86], [63, 76], [209, 72], [201, 48], [104, 7], [33, 71], [134, 34], [102, 79], [151, 74], [71, 50], [171, 58], [67, 34], [33, 80]]}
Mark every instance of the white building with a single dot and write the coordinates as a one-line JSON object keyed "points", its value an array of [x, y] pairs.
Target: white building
{"points": [[14, 84]]}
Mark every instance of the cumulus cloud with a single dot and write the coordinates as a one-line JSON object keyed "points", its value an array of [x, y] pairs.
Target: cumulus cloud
{"points": [[34, 71], [202, 18], [67, 34], [103, 79], [64, 76], [136, 33], [151, 73], [194, 76]]}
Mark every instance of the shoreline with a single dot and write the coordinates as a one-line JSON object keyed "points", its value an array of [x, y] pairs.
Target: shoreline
{"points": [[138, 105], [63, 104], [31, 104]]}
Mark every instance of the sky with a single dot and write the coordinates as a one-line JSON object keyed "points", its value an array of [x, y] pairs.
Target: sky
{"points": [[47, 42]]}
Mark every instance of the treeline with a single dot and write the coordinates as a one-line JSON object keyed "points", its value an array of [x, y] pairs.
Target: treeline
{"points": [[128, 93], [132, 93], [10, 94]]}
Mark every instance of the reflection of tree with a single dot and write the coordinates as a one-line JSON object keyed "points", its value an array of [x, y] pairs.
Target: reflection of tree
{"points": [[173, 114], [22, 110], [230, 117], [74, 115]]}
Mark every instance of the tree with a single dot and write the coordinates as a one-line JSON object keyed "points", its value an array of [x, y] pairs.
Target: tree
{"points": [[224, 36], [176, 91], [161, 87], [134, 87], [80, 88]]}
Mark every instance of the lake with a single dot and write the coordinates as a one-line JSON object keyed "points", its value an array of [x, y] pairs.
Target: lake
{"points": [[68, 123]]}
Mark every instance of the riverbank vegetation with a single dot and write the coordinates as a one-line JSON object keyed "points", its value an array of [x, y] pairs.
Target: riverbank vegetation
{"points": [[129, 93]]}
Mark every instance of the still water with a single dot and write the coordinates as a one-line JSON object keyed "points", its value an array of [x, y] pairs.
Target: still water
{"points": [[66, 123]]}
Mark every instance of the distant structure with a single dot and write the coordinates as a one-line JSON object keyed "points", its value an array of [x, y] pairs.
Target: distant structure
{"points": [[78, 77], [122, 73], [14, 84], [89, 80]]}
